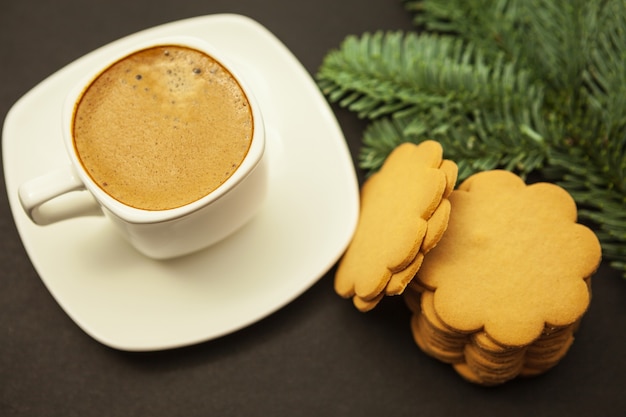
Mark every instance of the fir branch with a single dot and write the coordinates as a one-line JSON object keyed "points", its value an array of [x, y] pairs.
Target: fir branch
{"points": [[380, 73], [484, 23], [550, 38], [590, 161], [441, 89], [476, 140], [601, 200], [517, 84]]}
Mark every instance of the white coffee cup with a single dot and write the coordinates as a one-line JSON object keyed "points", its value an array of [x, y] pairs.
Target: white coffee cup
{"points": [[167, 233]]}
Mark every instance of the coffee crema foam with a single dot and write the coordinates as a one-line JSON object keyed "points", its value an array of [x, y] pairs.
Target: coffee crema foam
{"points": [[162, 128]]}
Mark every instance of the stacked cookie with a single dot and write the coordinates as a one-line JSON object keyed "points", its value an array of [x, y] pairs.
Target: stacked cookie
{"points": [[476, 356], [404, 213], [510, 276], [505, 284]]}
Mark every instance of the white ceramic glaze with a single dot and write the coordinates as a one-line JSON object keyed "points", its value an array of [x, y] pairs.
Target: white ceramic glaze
{"points": [[130, 302], [159, 234]]}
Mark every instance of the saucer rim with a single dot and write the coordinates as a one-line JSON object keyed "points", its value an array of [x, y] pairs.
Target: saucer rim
{"points": [[350, 204]]}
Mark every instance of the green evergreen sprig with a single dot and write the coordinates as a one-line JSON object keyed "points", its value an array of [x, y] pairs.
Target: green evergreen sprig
{"points": [[524, 85]]}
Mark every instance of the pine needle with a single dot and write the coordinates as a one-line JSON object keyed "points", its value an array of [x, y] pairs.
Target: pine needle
{"points": [[524, 85]]}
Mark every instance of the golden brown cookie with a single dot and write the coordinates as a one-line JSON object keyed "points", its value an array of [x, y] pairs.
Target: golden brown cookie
{"points": [[397, 204], [494, 369], [451, 171], [398, 281], [512, 259], [437, 225], [425, 338], [366, 305], [412, 298], [440, 341], [535, 365], [467, 373]]}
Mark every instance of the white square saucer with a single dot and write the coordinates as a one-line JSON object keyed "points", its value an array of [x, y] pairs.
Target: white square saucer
{"points": [[129, 302]]}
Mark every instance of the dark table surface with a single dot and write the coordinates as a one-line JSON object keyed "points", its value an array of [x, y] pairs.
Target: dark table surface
{"points": [[318, 355]]}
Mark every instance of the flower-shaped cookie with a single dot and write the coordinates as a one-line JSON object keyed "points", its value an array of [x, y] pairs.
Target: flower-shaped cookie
{"points": [[512, 260], [394, 230]]}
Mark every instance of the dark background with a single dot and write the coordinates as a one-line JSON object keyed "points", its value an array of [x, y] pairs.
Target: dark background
{"points": [[317, 356]]}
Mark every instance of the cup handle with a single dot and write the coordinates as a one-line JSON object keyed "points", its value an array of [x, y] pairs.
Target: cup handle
{"points": [[38, 191]]}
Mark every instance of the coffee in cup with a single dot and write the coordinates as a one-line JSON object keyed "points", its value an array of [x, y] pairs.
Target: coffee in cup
{"points": [[162, 127], [169, 141]]}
